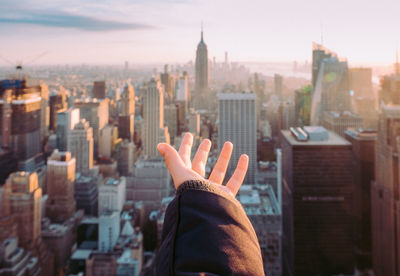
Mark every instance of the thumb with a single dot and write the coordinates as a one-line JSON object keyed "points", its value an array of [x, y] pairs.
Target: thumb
{"points": [[172, 159]]}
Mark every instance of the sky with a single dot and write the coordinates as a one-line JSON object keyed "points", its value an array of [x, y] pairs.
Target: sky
{"points": [[167, 31]]}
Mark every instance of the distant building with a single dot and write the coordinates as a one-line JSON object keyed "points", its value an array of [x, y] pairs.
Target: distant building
{"points": [[107, 140], [16, 260], [363, 145], [169, 83], [278, 85], [338, 122], [150, 183], [66, 121], [201, 76], [264, 212], [60, 205], [171, 120], [126, 157], [153, 130], [57, 102], [302, 99], [109, 228], [237, 124], [97, 114], [127, 117], [182, 92], [112, 195], [390, 86], [99, 90], [385, 200], [318, 198], [331, 86], [86, 194], [194, 123], [80, 144], [360, 82]]}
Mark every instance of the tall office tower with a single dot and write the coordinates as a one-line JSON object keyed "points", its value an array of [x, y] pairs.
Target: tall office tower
{"points": [[99, 90], [153, 129], [363, 145], [331, 91], [22, 200], [278, 86], [96, 113], [318, 199], [60, 204], [237, 124], [58, 102], [44, 112], [169, 83], [150, 183], [171, 120], [338, 122], [302, 101], [109, 228], [385, 194], [182, 92], [200, 100], [107, 140], [264, 212], [86, 194], [319, 53], [126, 158], [66, 121], [80, 145], [126, 119], [112, 195], [258, 88]]}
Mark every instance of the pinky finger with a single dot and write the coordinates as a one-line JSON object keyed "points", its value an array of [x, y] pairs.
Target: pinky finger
{"points": [[238, 176]]}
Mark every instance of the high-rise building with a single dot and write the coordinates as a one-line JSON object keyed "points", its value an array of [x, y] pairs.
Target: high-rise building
{"points": [[194, 123], [150, 183], [126, 157], [44, 112], [169, 83], [319, 53], [171, 120], [96, 113], [182, 92], [264, 212], [363, 145], [153, 129], [86, 194], [80, 145], [22, 200], [302, 99], [237, 124], [317, 202], [112, 195], [385, 200], [278, 85], [201, 76], [127, 117], [109, 228], [338, 122], [60, 204], [66, 121], [58, 102], [360, 82], [99, 90]]}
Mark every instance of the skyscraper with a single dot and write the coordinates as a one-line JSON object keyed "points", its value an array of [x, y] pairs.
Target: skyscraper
{"points": [[317, 206], [127, 117], [201, 80], [237, 124], [99, 89], [169, 83], [80, 144], [385, 200], [66, 121], [22, 199], [153, 129], [58, 102], [60, 205]]}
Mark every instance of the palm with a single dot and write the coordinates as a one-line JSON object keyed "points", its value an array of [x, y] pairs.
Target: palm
{"points": [[182, 168]]}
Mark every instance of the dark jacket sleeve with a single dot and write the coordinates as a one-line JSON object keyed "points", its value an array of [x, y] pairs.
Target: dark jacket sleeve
{"points": [[206, 232]]}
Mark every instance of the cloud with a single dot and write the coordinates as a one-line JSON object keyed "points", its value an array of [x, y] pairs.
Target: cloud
{"points": [[59, 19]]}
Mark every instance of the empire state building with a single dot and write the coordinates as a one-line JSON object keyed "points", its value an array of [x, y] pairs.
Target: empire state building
{"points": [[201, 82]]}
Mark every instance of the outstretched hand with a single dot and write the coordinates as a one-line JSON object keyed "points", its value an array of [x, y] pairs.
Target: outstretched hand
{"points": [[182, 168]]}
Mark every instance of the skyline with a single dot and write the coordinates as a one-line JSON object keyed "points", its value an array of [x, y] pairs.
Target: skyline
{"points": [[155, 31]]}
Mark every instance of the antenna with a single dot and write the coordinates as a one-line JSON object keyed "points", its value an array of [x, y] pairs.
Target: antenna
{"points": [[201, 30]]}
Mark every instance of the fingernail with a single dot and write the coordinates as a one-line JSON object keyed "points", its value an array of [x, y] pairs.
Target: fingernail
{"points": [[161, 148]]}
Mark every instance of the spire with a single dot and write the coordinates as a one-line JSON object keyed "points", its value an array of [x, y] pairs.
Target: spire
{"points": [[201, 31]]}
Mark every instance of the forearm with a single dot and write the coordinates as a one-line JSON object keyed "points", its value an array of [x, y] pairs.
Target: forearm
{"points": [[207, 230]]}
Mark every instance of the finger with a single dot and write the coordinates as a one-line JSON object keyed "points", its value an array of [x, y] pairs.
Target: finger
{"points": [[238, 176], [218, 173], [173, 161], [200, 159], [186, 148]]}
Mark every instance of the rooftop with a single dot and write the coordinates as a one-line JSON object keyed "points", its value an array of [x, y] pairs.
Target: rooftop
{"points": [[361, 134], [237, 96], [333, 139]]}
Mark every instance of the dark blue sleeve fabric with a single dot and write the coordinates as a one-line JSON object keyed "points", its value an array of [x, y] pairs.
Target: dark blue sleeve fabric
{"points": [[206, 232]]}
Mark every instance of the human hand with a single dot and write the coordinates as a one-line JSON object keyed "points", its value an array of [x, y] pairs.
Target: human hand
{"points": [[182, 168]]}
